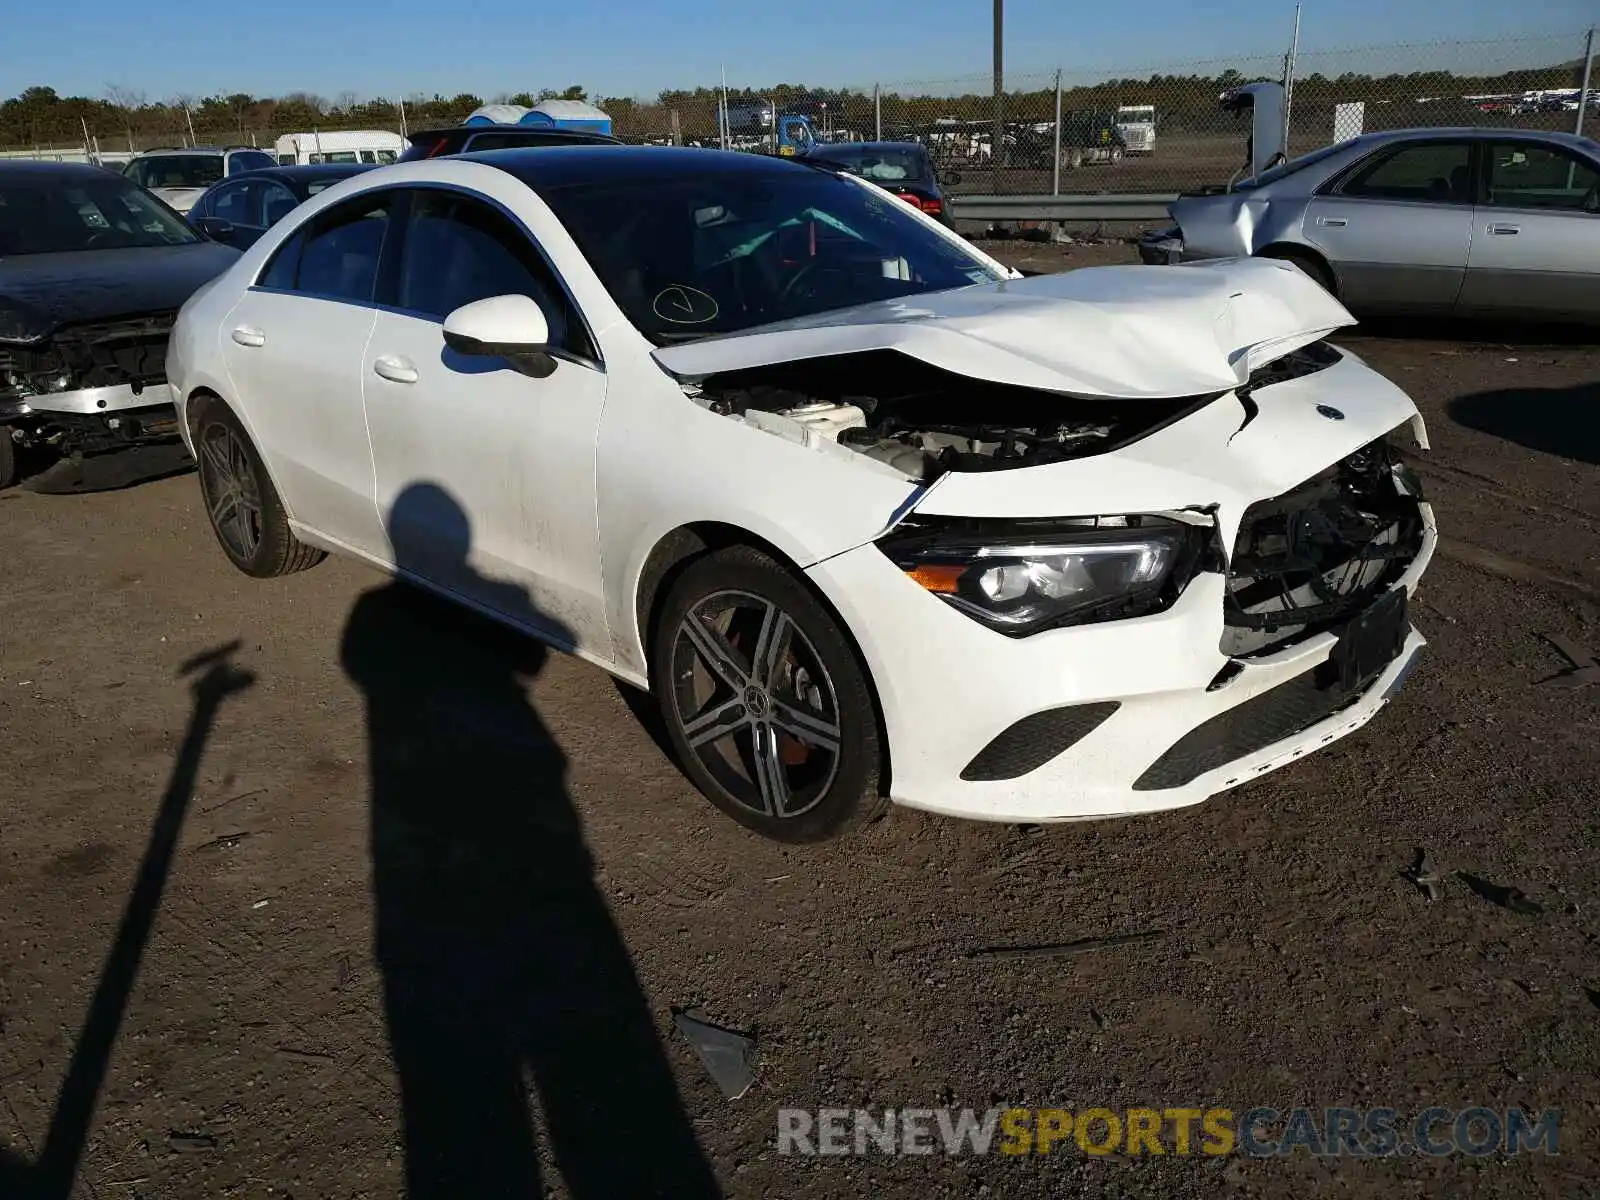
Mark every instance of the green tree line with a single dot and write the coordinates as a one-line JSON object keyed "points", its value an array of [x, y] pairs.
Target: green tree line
{"points": [[125, 117]]}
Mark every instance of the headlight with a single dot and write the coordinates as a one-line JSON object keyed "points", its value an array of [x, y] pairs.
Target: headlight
{"points": [[1020, 577]]}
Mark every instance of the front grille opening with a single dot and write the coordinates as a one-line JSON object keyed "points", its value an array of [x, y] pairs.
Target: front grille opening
{"points": [[1307, 560], [99, 354]]}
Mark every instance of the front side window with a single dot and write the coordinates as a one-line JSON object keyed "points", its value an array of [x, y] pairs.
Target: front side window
{"points": [[718, 252], [1431, 173], [44, 215], [176, 170], [337, 257], [277, 202], [459, 250], [1528, 175]]}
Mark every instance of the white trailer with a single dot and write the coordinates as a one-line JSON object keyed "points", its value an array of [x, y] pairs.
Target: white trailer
{"points": [[342, 146]]}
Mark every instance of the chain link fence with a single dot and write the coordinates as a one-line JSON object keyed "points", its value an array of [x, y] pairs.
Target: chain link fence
{"points": [[1148, 130]]}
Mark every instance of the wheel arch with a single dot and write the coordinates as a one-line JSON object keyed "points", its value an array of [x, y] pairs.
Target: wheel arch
{"points": [[675, 550], [195, 404], [1293, 250]]}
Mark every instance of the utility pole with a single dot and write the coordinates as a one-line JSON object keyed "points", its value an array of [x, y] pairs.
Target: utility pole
{"points": [[1290, 65], [1583, 91], [999, 134]]}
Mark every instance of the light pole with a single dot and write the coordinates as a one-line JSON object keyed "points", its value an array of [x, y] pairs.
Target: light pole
{"points": [[998, 137]]}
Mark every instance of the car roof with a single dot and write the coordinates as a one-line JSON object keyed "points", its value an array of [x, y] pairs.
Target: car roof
{"points": [[543, 167], [865, 147], [63, 170], [1473, 133], [164, 150], [556, 133]]}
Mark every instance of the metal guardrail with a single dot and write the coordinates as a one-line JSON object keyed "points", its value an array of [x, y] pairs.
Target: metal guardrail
{"points": [[1067, 207]]}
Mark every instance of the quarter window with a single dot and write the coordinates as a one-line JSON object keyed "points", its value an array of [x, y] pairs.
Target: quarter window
{"points": [[1431, 173], [1527, 175], [459, 250]]}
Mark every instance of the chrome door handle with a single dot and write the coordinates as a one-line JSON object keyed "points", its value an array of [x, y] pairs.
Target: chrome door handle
{"points": [[249, 335], [1333, 222], [395, 369], [1505, 229]]}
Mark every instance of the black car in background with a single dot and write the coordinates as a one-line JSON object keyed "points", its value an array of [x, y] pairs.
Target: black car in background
{"points": [[903, 168], [237, 211], [467, 139], [93, 270]]}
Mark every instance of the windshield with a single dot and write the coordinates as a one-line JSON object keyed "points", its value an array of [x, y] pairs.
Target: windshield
{"points": [[40, 216], [721, 253], [879, 165], [176, 170]]}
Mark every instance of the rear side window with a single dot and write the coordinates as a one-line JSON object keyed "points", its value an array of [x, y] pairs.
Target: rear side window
{"points": [[458, 250], [1434, 173], [1526, 175], [248, 160], [337, 256]]}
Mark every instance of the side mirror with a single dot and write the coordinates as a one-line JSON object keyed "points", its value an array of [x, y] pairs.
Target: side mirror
{"points": [[214, 227], [509, 327]]}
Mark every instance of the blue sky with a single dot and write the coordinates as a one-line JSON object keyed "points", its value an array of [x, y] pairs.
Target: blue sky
{"points": [[637, 47]]}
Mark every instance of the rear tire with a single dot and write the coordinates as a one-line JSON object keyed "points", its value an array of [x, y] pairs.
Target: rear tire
{"points": [[1309, 265], [244, 509], [10, 470], [765, 704]]}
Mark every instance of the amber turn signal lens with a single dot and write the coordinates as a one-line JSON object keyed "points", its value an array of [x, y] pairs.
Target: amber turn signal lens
{"points": [[937, 577]]}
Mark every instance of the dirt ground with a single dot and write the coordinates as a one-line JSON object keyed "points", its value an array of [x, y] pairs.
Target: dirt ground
{"points": [[239, 905]]}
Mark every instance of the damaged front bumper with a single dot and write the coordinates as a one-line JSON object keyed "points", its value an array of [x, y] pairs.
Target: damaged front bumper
{"points": [[1162, 247]]}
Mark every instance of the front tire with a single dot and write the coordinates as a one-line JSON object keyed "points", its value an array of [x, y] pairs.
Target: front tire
{"points": [[246, 514], [765, 704]]}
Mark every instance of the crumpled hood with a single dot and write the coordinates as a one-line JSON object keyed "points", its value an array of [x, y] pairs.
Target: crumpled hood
{"points": [[1125, 332], [40, 292]]}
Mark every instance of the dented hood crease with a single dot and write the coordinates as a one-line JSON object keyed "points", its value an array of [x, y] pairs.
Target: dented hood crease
{"points": [[1114, 332]]}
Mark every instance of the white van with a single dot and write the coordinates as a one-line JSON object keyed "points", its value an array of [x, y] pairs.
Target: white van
{"points": [[345, 146]]}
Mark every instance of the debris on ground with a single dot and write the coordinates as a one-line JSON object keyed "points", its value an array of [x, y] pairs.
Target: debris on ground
{"points": [[1506, 897], [1585, 668], [191, 1143], [1067, 949], [1424, 876], [729, 1057]]}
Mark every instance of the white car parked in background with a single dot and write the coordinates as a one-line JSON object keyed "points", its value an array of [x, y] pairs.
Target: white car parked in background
{"points": [[180, 177], [871, 516]]}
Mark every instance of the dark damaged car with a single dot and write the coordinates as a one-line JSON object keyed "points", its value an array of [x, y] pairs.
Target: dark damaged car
{"points": [[93, 270]]}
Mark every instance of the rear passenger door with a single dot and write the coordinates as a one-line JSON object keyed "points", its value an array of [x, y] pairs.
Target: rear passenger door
{"points": [[293, 347], [1536, 247], [1397, 227]]}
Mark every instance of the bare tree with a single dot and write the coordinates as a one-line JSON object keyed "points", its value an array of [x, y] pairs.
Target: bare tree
{"points": [[346, 102], [129, 101], [184, 102]]}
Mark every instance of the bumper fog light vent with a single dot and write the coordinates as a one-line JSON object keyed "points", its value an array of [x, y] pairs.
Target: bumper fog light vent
{"points": [[1033, 741]]}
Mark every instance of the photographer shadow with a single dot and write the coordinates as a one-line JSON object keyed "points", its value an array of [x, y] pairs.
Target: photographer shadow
{"points": [[504, 977]]}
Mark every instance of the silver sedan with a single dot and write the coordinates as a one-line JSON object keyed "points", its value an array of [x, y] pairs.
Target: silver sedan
{"points": [[1444, 221]]}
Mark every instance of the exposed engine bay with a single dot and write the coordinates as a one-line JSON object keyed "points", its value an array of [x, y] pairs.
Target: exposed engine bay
{"points": [[103, 354], [922, 421]]}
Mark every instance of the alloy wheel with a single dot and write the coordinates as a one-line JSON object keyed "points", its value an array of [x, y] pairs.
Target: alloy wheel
{"points": [[755, 704], [228, 482]]}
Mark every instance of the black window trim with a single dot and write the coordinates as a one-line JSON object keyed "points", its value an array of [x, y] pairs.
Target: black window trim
{"points": [[1333, 187], [1553, 147], [385, 288]]}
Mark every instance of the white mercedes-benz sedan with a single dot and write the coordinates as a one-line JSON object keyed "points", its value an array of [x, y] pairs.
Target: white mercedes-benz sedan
{"points": [[872, 516]]}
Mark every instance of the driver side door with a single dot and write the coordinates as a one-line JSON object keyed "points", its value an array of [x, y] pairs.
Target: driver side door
{"points": [[486, 475]]}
